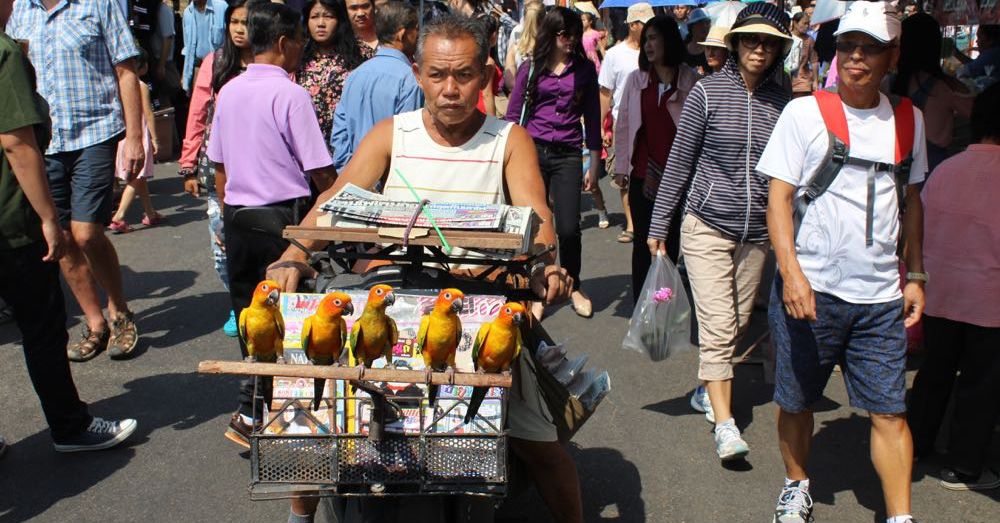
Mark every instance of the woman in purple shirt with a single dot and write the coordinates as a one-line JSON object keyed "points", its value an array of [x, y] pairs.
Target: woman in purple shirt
{"points": [[552, 93]]}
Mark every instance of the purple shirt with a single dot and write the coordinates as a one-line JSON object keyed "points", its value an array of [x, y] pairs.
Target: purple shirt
{"points": [[266, 133], [559, 104]]}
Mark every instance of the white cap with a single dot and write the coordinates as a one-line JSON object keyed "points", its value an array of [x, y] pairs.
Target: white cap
{"points": [[876, 19], [639, 12]]}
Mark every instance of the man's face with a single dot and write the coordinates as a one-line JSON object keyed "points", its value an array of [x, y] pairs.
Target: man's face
{"points": [[360, 13], [451, 77], [635, 29], [681, 12], [863, 61]]}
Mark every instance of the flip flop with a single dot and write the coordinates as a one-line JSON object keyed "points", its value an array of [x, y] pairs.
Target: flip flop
{"points": [[626, 237]]}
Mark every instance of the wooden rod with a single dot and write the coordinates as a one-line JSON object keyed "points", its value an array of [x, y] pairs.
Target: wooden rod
{"points": [[350, 373]]}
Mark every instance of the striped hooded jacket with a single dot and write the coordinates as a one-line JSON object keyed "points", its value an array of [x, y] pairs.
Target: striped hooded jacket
{"points": [[721, 134]]}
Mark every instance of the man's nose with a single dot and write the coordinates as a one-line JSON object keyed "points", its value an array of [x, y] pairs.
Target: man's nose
{"points": [[451, 86]]}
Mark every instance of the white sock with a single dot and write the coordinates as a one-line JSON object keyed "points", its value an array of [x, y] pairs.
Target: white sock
{"points": [[246, 419], [803, 483], [904, 518]]}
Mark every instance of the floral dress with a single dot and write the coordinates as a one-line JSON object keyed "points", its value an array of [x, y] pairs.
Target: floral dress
{"points": [[323, 74]]}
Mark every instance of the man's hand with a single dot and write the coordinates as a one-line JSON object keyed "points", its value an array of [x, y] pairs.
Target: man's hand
{"points": [[288, 272], [135, 156], [54, 238], [553, 284], [800, 302], [913, 303], [590, 179], [656, 246], [620, 181]]}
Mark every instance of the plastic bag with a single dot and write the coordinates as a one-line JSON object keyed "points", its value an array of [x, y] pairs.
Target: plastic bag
{"points": [[661, 322]]}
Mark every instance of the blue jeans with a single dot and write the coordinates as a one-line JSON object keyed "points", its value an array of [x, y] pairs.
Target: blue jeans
{"points": [[215, 229], [869, 341]]}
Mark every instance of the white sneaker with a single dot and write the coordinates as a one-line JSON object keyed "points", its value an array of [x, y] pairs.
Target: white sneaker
{"points": [[729, 445], [794, 505], [701, 403]]}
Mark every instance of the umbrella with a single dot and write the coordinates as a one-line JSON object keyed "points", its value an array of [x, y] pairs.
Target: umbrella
{"points": [[655, 3], [827, 10], [724, 13]]}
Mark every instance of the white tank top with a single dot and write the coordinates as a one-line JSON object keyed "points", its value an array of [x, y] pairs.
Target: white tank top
{"points": [[469, 173]]}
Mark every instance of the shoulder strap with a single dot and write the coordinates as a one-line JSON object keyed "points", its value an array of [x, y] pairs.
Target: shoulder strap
{"points": [[837, 153], [902, 109], [832, 110]]}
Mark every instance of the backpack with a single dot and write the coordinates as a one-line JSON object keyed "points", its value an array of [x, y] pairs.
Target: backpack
{"points": [[839, 154]]}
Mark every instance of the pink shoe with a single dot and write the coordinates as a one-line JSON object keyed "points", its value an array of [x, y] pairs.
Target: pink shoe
{"points": [[119, 227], [150, 222]]}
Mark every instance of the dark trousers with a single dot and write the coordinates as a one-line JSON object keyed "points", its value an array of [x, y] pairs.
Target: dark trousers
{"points": [[562, 170], [642, 215], [956, 347], [31, 287], [248, 255]]}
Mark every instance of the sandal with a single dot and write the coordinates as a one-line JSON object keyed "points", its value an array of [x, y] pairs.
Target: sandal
{"points": [[125, 336], [150, 221], [626, 237], [119, 227], [90, 345]]}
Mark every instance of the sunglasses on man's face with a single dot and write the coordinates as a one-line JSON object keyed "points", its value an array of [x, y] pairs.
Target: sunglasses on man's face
{"points": [[752, 41], [847, 46]]}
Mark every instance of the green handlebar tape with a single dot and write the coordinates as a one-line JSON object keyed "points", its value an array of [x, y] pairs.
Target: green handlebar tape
{"points": [[416, 197]]}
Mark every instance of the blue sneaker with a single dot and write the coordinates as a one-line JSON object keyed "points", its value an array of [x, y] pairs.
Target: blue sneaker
{"points": [[700, 403], [230, 328], [729, 444]]}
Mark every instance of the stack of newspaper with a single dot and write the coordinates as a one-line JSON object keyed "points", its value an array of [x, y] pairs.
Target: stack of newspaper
{"points": [[358, 208]]}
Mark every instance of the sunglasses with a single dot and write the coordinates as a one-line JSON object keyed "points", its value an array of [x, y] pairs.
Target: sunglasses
{"points": [[752, 41], [846, 46]]}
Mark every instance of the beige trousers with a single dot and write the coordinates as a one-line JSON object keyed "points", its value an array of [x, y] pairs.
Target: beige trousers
{"points": [[724, 277]]}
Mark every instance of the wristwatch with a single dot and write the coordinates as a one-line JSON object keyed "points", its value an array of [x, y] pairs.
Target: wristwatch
{"points": [[918, 276]]}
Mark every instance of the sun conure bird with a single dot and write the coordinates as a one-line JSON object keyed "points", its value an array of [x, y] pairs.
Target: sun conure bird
{"points": [[439, 336], [374, 334], [324, 336], [497, 345], [261, 325]]}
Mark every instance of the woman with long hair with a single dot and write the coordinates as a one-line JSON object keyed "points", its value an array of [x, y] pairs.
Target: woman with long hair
{"points": [[522, 41], [920, 78], [217, 68], [650, 107], [331, 53], [552, 93], [802, 62]]}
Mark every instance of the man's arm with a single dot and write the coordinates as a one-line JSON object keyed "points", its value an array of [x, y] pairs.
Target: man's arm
{"points": [[21, 150], [220, 184], [323, 178], [128, 87], [800, 303], [913, 235]]}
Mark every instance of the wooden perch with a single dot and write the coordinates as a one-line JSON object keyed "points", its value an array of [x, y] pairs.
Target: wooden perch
{"points": [[350, 373], [457, 238]]}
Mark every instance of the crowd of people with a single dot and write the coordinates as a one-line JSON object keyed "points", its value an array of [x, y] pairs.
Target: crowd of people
{"points": [[717, 135]]}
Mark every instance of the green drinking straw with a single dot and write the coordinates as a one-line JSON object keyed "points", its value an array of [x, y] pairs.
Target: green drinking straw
{"points": [[444, 242]]}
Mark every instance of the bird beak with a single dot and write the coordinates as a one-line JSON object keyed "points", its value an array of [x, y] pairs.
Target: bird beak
{"points": [[390, 298], [349, 308], [518, 318], [272, 298], [456, 305]]}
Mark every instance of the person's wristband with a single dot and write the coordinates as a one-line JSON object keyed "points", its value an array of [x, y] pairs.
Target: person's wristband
{"points": [[917, 276]]}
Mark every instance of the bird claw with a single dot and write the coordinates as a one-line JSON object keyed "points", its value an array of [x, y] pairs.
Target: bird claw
{"points": [[428, 374], [506, 372], [450, 372], [280, 360], [250, 359], [361, 372]]}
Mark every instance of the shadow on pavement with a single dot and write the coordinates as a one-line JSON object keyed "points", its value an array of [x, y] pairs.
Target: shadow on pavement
{"points": [[177, 321], [610, 290], [840, 462], [611, 485], [44, 477]]}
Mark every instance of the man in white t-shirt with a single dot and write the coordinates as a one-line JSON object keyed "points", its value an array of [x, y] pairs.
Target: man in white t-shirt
{"points": [[837, 296], [619, 62]]}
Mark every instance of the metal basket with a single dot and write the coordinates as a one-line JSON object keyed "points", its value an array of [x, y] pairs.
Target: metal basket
{"points": [[399, 464]]}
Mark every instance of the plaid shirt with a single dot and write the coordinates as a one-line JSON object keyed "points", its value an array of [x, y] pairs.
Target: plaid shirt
{"points": [[74, 49]]}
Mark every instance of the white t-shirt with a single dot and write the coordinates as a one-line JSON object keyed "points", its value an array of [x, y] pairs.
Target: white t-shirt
{"points": [[618, 62], [831, 241]]}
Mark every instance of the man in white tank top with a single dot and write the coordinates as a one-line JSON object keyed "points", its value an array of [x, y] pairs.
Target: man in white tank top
{"points": [[450, 151]]}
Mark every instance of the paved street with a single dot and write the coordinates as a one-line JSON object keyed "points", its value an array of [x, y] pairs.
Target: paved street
{"points": [[644, 456]]}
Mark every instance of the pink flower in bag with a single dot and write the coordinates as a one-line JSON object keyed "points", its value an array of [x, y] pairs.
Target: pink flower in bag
{"points": [[663, 295]]}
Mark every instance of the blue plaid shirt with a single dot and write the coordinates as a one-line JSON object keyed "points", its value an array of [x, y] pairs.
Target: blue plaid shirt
{"points": [[74, 49]]}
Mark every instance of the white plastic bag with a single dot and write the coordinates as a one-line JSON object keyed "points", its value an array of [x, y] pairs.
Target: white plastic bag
{"points": [[661, 322]]}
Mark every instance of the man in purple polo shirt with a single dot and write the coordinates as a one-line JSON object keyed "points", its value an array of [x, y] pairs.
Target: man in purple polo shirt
{"points": [[265, 141]]}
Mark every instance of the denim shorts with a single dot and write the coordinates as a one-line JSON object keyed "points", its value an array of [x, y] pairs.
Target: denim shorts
{"points": [[82, 182], [869, 342]]}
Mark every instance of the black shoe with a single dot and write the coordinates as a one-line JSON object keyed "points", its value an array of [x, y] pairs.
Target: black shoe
{"points": [[239, 431], [101, 434], [952, 479]]}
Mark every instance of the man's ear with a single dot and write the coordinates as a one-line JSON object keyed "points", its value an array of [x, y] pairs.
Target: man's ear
{"points": [[281, 45], [399, 34], [416, 74]]}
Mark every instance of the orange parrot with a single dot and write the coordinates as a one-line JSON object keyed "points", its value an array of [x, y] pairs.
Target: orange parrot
{"points": [[324, 336], [261, 325], [439, 336], [374, 334], [498, 344]]}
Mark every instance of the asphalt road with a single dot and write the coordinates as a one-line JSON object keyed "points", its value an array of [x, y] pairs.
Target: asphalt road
{"points": [[644, 456]]}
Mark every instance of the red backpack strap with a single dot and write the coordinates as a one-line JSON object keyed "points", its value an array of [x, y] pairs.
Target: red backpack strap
{"points": [[832, 110], [903, 116]]}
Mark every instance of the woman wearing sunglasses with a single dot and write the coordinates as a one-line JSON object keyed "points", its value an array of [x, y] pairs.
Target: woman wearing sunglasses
{"points": [[724, 126], [552, 92]]}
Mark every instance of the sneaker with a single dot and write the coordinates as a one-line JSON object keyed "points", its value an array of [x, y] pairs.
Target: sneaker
{"points": [[701, 403], [119, 227], [728, 443], [230, 328], [952, 479], [239, 431], [602, 220], [794, 505], [101, 434], [124, 336]]}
